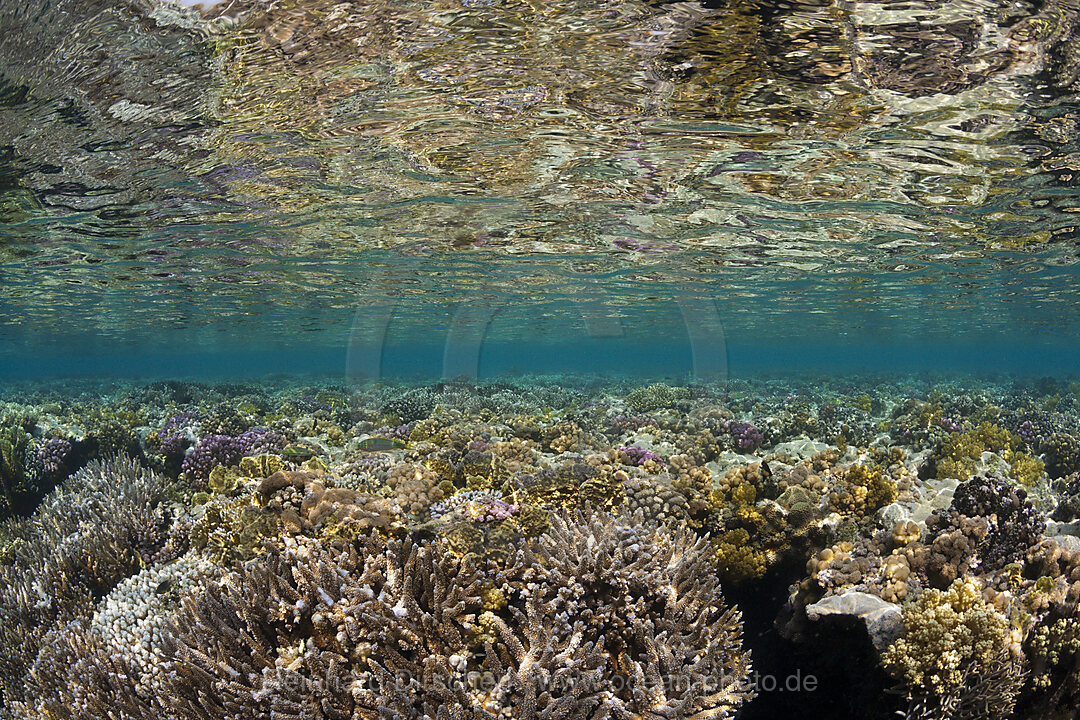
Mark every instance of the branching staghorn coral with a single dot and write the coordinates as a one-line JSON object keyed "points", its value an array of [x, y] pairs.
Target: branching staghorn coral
{"points": [[84, 538], [328, 631], [600, 617], [985, 692], [648, 599]]}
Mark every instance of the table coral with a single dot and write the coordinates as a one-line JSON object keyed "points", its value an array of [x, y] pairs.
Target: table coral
{"points": [[655, 397]]}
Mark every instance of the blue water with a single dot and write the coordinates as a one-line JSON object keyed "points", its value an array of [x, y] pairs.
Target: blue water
{"points": [[840, 211]]}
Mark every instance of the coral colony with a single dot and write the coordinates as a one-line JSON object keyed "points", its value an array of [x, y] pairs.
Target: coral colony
{"points": [[532, 551]]}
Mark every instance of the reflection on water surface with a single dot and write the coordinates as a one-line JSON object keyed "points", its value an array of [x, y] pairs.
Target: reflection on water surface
{"points": [[163, 163]]}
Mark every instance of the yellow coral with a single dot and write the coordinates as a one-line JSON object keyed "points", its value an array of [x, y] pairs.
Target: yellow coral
{"points": [[737, 560], [961, 450], [335, 436], [1054, 645], [260, 466], [945, 634], [864, 490], [492, 598], [655, 397], [905, 532], [233, 530], [1026, 469], [222, 480]]}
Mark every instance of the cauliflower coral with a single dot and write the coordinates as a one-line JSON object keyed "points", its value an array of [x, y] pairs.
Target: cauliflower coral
{"points": [[947, 634]]}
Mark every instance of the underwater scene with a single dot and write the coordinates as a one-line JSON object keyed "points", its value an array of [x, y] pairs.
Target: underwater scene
{"points": [[539, 359]]}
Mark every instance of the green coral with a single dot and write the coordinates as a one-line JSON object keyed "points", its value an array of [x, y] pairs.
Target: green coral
{"points": [[957, 456], [863, 491], [152, 442], [927, 414], [260, 466], [335, 436], [223, 480], [20, 416], [10, 544], [948, 634], [14, 443], [315, 464], [603, 492], [1052, 647], [1026, 469], [234, 530], [737, 560], [297, 453], [427, 428], [113, 433]]}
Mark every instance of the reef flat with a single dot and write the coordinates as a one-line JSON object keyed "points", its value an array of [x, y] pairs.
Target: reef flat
{"points": [[542, 547]]}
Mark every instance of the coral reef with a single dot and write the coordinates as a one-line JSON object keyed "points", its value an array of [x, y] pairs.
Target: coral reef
{"points": [[1013, 524], [1062, 452], [537, 549], [655, 397], [87, 536], [958, 654], [360, 629], [958, 454]]}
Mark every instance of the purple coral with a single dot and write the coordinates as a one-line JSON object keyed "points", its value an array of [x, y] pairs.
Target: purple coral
{"points": [[172, 449], [51, 462], [212, 450], [1026, 432], [260, 440], [495, 510], [178, 422], [745, 436], [476, 505], [638, 456], [401, 432], [173, 446], [948, 424]]}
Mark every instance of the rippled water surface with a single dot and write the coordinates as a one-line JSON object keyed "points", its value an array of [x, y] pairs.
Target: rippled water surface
{"points": [[276, 174]]}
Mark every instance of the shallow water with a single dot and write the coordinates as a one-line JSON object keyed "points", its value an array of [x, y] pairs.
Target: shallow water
{"points": [[262, 175], [781, 276]]}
